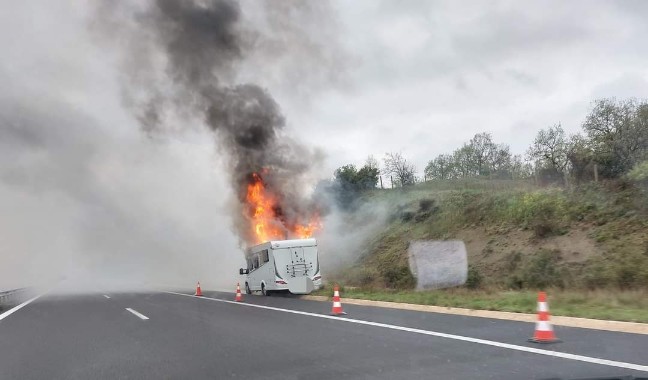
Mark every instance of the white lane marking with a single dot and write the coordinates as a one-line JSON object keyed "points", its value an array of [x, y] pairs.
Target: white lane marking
{"points": [[562, 355], [140, 315], [107, 296], [16, 308]]}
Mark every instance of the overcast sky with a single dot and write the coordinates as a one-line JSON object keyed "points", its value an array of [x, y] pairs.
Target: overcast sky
{"points": [[364, 77], [426, 76]]}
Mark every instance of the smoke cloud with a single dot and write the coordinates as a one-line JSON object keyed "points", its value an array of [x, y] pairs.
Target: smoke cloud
{"points": [[200, 46], [86, 196], [101, 210]]}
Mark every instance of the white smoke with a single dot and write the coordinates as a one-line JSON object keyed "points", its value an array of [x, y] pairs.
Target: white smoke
{"points": [[81, 202]]}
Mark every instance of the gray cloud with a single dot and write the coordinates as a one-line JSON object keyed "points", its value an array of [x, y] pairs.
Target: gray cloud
{"points": [[433, 74]]}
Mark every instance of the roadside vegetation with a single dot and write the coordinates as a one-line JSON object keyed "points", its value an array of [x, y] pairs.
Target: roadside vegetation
{"points": [[591, 237], [628, 305], [572, 216]]}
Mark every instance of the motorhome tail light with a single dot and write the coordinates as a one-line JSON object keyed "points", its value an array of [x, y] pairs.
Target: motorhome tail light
{"points": [[282, 282]]}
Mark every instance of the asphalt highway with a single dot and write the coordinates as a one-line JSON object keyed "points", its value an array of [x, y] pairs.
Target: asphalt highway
{"points": [[160, 335]]}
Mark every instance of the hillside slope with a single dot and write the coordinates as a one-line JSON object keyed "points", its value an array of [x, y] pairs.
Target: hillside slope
{"points": [[517, 235]]}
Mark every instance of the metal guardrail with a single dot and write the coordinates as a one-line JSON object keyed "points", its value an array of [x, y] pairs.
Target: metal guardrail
{"points": [[10, 297]]}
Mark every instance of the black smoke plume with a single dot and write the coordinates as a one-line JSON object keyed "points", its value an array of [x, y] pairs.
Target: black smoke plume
{"points": [[201, 44]]}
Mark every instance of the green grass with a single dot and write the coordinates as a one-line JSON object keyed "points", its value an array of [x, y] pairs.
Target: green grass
{"points": [[630, 306], [610, 283], [614, 215]]}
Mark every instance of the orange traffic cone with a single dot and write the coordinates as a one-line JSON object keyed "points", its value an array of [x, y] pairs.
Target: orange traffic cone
{"points": [[337, 305], [543, 331], [198, 291], [239, 297]]}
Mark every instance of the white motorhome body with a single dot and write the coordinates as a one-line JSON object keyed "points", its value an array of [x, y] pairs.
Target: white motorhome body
{"points": [[283, 265]]}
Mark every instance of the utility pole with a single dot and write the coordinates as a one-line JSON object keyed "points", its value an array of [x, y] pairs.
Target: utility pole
{"points": [[595, 172], [381, 184]]}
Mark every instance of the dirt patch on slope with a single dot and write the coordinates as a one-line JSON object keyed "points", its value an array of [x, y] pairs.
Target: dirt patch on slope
{"points": [[498, 250]]}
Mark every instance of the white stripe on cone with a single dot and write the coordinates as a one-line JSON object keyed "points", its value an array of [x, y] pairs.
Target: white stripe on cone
{"points": [[543, 326], [337, 304], [542, 306]]}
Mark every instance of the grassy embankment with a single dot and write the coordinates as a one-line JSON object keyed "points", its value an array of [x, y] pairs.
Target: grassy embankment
{"points": [[627, 305], [589, 244]]}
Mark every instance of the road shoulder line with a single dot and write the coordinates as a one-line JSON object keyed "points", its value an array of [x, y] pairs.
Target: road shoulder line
{"points": [[557, 354], [584, 323], [16, 308]]}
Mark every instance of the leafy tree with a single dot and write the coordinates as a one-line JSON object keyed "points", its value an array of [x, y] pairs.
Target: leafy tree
{"points": [[639, 173], [501, 165], [581, 159], [520, 169], [479, 157], [368, 174], [440, 168], [367, 177], [618, 134], [349, 182], [352, 179], [345, 185], [550, 148], [462, 161], [346, 175], [398, 167], [483, 151]]}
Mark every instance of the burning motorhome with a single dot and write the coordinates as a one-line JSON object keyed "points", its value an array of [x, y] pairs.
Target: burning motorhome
{"points": [[285, 265], [275, 263]]}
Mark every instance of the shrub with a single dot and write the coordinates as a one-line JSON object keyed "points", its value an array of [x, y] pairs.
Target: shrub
{"points": [[514, 259], [541, 271], [406, 216], [543, 228], [514, 282], [639, 173], [398, 277], [360, 276], [426, 205], [543, 211], [474, 279]]}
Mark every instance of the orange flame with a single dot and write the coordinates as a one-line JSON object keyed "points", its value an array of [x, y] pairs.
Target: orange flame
{"points": [[264, 222], [304, 231]]}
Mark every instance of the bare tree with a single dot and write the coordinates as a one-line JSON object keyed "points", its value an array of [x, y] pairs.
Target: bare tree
{"points": [[371, 162], [398, 167]]}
